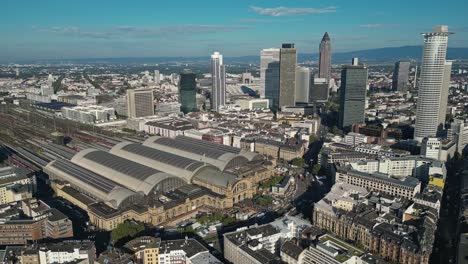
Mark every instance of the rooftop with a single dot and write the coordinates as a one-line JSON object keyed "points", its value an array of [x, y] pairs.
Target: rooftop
{"points": [[191, 247]]}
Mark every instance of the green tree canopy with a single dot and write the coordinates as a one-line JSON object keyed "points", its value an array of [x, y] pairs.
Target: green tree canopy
{"points": [[299, 162], [126, 229], [316, 169]]}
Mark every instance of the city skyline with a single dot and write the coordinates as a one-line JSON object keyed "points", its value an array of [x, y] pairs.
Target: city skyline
{"points": [[54, 30]]}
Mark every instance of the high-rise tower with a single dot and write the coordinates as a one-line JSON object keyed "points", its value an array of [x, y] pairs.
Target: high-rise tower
{"points": [[433, 79], [325, 57], [400, 76], [188, 92], [140, 103], [302, 84], [352, 95], [218, 76], [287, 85], [269, 72]]}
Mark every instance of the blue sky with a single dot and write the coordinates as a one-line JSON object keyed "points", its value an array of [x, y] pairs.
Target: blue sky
{"points": [[58, 29]]}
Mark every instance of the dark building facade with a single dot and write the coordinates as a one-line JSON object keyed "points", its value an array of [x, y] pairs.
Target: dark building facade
{"points": [[325, 57], [352, 95], [318, 90], [288, 62], [400, 76], [188, 92]]}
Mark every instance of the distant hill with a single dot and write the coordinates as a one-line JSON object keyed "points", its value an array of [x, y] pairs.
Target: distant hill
{"points": [[382, 55], [392, 54]]}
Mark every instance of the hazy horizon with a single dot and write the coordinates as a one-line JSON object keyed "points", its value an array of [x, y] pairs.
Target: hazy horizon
{"points": [[47, 30]]}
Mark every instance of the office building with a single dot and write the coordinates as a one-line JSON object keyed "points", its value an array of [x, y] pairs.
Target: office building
{"points": [[287, 85], [145, 249], [32, 220], [89, 114], [157, 77], [325, 58], [458, 132], [431, 83], [167, 127], [247, 78], [69, 251], [270, 76], [406, 187], [252, 104], [352, 95], [445, 91], [47, 90], [185, 251], [16, 184], [401, 167], [255, 245], [430, 147], [302, 84], [140, 103], [188, 92], [318, 90], [218, 76], [400, 76], [269, 73]]}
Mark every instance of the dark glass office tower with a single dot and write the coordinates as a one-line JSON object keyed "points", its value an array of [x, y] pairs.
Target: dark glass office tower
{"points": [[400, 76], [188, 92], [288, 62], [318, 90], [352, 95], [325, 57]]}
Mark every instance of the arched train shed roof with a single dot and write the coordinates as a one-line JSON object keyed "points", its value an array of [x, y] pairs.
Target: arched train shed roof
{"points": [[221, 156], [130, 174], [89, 182], [179, 166]]}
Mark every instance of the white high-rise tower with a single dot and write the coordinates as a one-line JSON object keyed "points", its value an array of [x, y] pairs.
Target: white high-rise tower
{"points": [[432, 84], [218, 76]]}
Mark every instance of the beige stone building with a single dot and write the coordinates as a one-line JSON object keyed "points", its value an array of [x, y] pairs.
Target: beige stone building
{"points": [[161, 182]]}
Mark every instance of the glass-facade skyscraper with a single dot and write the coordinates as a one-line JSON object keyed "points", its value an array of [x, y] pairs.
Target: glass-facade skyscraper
{"points": [[269, 72], [188, 92], [318, 90], [218, 76], [432, 84], [352, 95], [400, 76], [269, 75]]}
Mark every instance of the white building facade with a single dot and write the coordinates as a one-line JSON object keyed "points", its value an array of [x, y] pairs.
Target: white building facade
{"points": [[431, 85]]}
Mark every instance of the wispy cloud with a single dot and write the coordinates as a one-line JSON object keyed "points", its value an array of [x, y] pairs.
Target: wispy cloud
{"points": [[141, 32], [256, 20], [380, 25], [458, 28], [266, 20], [291, 11], [371, 26]]}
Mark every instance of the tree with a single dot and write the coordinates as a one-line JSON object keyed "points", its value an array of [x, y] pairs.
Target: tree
{"points": [[228, 220], [57, 85], [264, 200], [299, 162], [337, 131], [312, 138], [125, 230], [316, 169]]}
